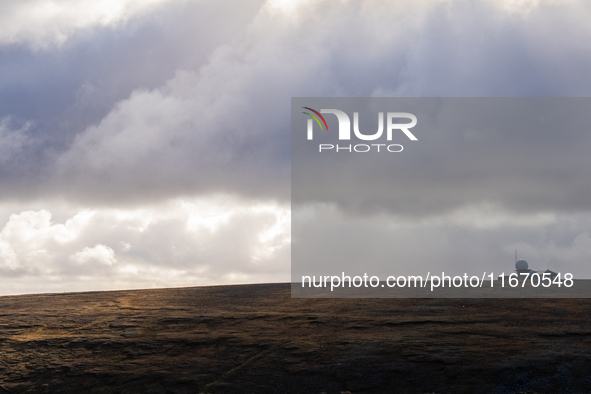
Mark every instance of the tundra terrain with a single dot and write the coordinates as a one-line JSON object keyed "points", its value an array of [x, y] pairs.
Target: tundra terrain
{"points": [[257, 339]]}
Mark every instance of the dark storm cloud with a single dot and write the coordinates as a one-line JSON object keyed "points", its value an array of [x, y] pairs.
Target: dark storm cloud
{"points": [[525, 154], [117, 132], [485, 177], [330, 242], [58, 91]]}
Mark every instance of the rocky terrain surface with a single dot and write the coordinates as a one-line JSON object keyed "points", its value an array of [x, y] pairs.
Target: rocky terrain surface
{"points": [[256, 339]]}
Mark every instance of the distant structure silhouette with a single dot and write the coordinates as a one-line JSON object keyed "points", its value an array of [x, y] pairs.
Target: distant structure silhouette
{"points": [[521, 267]]}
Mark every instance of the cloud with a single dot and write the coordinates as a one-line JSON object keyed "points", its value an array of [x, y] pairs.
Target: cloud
{"points": [[328, 241], [64, 90], [523, 154], [119, 112], [486, 176], [159, 120], [178, 243], [224, 127], [12, 141], [47, 22], [100, 254]]}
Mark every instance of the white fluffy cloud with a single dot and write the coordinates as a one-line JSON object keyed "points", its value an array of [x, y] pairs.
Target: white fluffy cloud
{"points": [[100, 254], [178, 243]]}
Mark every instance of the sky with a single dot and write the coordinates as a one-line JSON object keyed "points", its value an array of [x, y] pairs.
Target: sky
{"points": [[147, 143], [485, 176]]}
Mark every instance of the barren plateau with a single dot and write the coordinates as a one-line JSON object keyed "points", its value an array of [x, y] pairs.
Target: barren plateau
{"points": [[257, 339]]}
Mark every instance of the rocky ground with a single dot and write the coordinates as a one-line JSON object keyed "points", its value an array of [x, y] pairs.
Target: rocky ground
{"points": [[256, 339]]}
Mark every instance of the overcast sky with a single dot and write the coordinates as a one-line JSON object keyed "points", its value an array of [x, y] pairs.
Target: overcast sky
{"points": [[487, 175], [147, 143]]}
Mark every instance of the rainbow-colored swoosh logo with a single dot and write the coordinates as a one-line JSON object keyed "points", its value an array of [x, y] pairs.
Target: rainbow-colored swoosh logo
{"points": [[315, 118]]}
